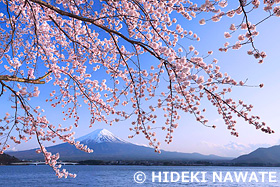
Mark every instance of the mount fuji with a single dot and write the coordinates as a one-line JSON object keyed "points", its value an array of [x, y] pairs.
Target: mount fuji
{"points": [[107, 146]]}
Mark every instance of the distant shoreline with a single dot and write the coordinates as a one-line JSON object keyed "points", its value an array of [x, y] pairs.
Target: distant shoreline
{"points": [[151, 163]]}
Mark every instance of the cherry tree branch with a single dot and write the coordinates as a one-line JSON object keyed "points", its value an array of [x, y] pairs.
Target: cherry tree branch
{"points": [[31, 81]]}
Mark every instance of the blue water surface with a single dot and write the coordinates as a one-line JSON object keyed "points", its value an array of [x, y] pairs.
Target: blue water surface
{"points": [[36, 176]]}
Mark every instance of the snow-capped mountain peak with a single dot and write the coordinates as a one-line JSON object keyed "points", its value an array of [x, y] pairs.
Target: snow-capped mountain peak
{"points": [[101, 136]]}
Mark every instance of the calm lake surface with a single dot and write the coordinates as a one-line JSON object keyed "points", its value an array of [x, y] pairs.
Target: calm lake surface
{"points": [[124, 176]]}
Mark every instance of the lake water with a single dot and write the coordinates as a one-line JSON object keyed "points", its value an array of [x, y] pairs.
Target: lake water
{"points": [[36, 176]]}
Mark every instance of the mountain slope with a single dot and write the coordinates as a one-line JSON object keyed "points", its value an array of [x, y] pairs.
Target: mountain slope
{"points": [[269, 155], [7, 159], [107, 146]]}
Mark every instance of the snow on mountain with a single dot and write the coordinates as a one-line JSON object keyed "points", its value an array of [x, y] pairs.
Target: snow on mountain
{"points": [[100, 136]]}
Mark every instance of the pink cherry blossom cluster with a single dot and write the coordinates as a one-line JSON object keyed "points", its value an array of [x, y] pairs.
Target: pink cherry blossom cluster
{"points": [[51, 160], [244, 8]]}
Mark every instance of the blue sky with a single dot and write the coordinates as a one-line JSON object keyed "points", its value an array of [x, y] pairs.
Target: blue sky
{"points": [[191, 136]]}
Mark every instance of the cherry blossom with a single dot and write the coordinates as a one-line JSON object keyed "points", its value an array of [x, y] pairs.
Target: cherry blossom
{"points": [[88, 54]]}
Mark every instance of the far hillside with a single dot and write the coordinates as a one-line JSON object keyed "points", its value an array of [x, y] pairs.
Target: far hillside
{"points": [[6, 159]]}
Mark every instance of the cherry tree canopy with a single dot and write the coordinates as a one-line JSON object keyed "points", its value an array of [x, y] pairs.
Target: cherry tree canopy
{"points": [[69, 43]]}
